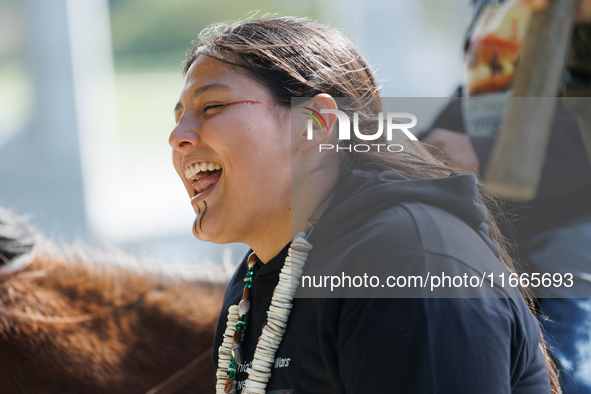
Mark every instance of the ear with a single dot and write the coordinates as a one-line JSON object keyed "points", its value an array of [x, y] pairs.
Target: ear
{"points": [[308, 138]]}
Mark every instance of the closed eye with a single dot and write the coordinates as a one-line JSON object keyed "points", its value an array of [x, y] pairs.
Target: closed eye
{"points": [[212, 106]]}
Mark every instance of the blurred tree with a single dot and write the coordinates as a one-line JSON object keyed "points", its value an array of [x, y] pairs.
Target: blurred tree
{"points": [[156, 34]]}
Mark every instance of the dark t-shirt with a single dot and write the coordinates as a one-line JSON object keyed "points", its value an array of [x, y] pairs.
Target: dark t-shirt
{"points": [[397, 345]]}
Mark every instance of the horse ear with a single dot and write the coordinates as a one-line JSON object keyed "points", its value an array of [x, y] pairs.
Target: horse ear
{"points": [[17, 243]]}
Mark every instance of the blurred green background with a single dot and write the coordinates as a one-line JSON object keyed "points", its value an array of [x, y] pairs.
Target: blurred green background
{"points": [[150, 39], [154, 34]]}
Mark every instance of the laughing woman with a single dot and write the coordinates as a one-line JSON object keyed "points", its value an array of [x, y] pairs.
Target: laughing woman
{"points": [[255, 175]]}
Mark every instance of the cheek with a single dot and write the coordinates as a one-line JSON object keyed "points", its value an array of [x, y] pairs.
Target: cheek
{"points": [[176, 162]]}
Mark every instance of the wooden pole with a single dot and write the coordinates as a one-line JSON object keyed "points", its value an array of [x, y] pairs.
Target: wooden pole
{"points": [[516, 162]]}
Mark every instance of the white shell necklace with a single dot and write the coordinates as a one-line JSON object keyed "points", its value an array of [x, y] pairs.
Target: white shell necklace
{"points": [[230, 353]]}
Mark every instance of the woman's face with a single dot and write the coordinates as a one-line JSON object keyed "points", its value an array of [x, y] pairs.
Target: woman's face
{"points": [[231, 148]]}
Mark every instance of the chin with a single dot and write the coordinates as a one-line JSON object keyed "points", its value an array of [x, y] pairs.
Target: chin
{"points": [[198, 231]]}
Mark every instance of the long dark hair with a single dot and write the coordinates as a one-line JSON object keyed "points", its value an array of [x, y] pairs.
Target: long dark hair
{"points": [[301, 58]]}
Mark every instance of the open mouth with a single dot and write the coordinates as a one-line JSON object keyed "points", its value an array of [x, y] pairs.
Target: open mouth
{"points": [[203, 175]]}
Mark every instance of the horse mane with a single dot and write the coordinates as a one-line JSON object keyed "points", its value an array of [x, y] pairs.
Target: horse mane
{"points": [[25, 254], [21, 243]]}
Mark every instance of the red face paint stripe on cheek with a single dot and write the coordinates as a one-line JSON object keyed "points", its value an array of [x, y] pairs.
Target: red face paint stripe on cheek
{"points": [[244, 102]]}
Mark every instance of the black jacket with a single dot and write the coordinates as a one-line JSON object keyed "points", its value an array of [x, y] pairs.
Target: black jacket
{"points": [[382, 224]]}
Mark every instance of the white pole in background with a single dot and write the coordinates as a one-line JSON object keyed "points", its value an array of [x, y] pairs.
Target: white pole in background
{"points": [[40, 174], [94, 91]]}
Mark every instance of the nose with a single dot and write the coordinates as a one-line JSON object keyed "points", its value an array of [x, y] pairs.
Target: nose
{"points": [[183, 137]]}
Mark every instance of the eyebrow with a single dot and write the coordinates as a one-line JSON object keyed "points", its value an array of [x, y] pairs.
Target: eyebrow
{"points": [[203, 89]]}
